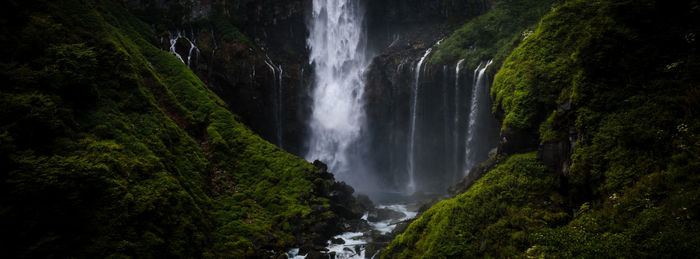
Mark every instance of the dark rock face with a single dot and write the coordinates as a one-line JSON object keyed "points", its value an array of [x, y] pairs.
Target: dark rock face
{"points": [[514, 141], [554, 155], [475, 173], [238, 69], [347, 209], [391, 19], [442, 116]]}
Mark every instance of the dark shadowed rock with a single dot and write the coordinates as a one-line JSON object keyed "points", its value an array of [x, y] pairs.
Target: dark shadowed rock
{"points": [[382, 214], [316, 255], [475, 173]]}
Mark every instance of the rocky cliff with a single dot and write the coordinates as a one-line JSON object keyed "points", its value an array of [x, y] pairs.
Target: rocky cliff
{"points": [[110, 146], [599, 146], [251, 53]]}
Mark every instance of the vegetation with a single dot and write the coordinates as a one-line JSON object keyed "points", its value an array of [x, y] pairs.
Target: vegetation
{"points": [[494, 217], [494, 34], [111, 147], [623, 74]]}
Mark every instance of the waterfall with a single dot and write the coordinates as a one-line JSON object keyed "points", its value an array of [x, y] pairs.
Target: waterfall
{"points": [[447, 120], [277, 98], [412, 129], [173, 42], [193, 46], [213, 40], [174, 37], [278, 112], [477, 101], [337, 43], [455, 120]]}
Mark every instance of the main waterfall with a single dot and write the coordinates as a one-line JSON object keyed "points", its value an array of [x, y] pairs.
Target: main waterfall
{"points": [[337, 43]]}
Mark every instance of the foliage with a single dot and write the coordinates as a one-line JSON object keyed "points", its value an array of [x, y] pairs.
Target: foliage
{"points": [[494, 218], [623, 74], [111, 147], [494, 34]]}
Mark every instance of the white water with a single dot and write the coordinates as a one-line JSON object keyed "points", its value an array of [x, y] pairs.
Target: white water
{"points": [[455, 132], [479, 85], [294, 254], [278, 113], [277, 97], [193, 46], [387, 226], [348, 249], [412, 130], [337, 45], [355, 242], [357, 239], [173, 41]]}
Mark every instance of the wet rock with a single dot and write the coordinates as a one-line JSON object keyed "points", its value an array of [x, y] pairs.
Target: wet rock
{"points": [[365, 202], [554, 155], [401, 227], [337, 241], [425, 204], [356, 225], [475, 173], [316, 255], [382, 214], [514, 141]]}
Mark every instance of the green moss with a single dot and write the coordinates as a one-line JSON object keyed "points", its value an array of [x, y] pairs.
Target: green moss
{"points": [[494, 218], [494, 34], [114, 148], [623, 74]]}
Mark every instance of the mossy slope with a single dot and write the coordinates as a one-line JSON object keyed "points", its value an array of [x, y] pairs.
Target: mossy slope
{"points": [[111, 147], [494, 34], [619, 79]]}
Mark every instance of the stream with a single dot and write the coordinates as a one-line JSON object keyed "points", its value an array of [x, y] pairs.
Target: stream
{"points": [[354, 246]]}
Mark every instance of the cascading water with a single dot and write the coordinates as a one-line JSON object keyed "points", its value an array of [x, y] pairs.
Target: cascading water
{"points": [[455, 120], [174, 37], [447, 128], [337, 43], [278, 112], [193, 47], [478, 99], [277, 98], [412, 130], [213, 40], [173, 41]]}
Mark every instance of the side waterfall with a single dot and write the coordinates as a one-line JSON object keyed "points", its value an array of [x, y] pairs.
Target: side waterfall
{"points": [[477, 99], [174, 37], [277, 98], [455, 131], [412, 130]]}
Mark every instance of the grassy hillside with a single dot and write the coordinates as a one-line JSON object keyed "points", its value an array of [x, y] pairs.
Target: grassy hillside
{"points": [[619, 79], [111, 147]]}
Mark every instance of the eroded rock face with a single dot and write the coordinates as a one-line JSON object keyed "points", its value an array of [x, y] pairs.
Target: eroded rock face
{"points": [[389, 19], [245, 69], [442, 110]]}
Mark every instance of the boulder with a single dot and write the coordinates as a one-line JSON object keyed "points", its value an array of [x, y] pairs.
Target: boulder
{"points": [[382, 214]]}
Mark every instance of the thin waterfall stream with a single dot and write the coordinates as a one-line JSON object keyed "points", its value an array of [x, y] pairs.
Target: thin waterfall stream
{"points": [[475, 114], [412, 130], [455, 132]]}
